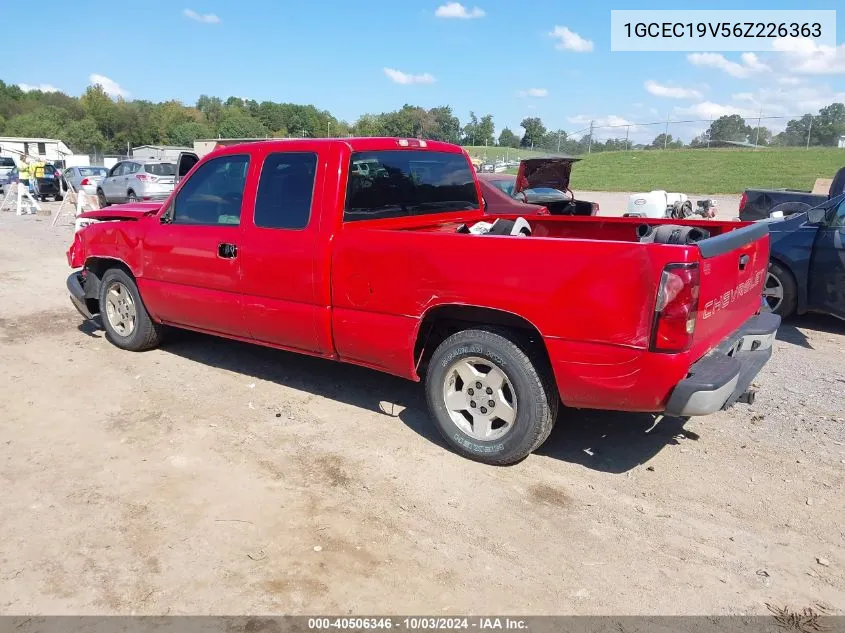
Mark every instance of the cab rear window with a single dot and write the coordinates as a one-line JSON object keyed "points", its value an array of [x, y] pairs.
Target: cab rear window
{"points": [[397, 183]]}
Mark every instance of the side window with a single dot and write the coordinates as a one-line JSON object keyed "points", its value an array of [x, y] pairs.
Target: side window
{"points": [[131, 168], [116, 170], [213, 195], [838, 219], [285, 190]]}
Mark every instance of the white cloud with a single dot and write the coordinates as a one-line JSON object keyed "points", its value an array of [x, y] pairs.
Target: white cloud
{"points": [[710, 110], [205, 18], [750, 65], [786, 80], [804, 56], [398, 77], [672, 92], [611, 120], [570, 40], [459, 11], [110, 86], [41, 87], [533, 92]]}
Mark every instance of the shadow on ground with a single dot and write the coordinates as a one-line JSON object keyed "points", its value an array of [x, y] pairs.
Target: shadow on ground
{"points": [[607, 441], [790, 330]]}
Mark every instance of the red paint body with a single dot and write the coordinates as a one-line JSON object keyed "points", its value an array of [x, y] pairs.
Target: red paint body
{"points": [[358, 291]]}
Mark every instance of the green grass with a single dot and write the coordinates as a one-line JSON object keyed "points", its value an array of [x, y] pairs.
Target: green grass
{"points": [[698, 170]]}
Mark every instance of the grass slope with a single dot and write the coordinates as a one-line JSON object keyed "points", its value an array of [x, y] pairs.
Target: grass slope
{"points": [[698, 171]]}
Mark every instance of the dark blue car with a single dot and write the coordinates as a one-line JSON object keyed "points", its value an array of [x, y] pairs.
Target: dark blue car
{"points": [[807, 266]]}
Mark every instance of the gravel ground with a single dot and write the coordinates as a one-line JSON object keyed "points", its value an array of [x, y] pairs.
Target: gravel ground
{"points": [[616, 202], [210, 476]]}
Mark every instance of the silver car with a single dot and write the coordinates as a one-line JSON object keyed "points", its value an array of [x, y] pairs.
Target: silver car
{"points": [[136, 180], [86, 179]]}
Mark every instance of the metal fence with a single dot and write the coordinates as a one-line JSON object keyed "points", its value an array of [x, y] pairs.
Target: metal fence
{"points": [[751, 131]]}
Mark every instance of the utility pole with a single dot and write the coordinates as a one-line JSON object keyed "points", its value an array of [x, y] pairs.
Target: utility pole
{"points": [[590, 145], [328, 129], [709, 133], [666, 132], [559, 133], [810, 129], [627, 134], [757, 136]]}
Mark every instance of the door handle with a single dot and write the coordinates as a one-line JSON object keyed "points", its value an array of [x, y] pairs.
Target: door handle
{"points": [[227, 251], [743, 261]]}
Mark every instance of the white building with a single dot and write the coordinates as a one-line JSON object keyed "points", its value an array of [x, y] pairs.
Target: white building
{"points": [[158, 152], [46, 149], [842, 142]]}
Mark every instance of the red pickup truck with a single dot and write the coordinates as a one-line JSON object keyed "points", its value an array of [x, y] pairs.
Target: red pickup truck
{"points": [[293, 244]]}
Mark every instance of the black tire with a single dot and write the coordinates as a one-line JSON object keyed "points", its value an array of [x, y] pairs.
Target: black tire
{"points": [[101, 199], [537, 400], [789, 302], [146, 333], [131, 196]]}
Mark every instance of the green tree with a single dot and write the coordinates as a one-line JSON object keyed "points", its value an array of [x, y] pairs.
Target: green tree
{"points": [[237, 124], [764, 137], [46, 121], [729, 128], [471, 130], [369, 125], [212, 109], [534, 131], [186, 133], [485, 131], [447, 127], [507, 138], [83, 136], [829, 125], [100, 107]]}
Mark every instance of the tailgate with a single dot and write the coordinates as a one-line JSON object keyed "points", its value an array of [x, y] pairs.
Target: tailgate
{"points": [[732, 271]]}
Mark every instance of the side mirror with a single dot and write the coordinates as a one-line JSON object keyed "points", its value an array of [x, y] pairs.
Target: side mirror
{"points": [[484, 203], [816, 215]]}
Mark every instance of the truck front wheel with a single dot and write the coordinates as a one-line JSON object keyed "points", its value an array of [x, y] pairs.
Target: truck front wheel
{"points": [[493, 401], [128, 324]]}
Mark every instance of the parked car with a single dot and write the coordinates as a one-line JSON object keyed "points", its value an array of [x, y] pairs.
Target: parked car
{"points": [[497, 196], [47, 183], [136, 180], [807, 262], [8, 173], [85, 179], [539, 181], [757, 204], [280, 243]]}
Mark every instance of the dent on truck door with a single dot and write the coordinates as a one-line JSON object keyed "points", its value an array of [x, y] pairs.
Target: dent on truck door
{"points": [[192, 254], [282, 276], [827, 267]]}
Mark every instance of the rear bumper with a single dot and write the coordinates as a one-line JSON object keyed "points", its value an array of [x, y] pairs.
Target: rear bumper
{"points": [[723, 377]]}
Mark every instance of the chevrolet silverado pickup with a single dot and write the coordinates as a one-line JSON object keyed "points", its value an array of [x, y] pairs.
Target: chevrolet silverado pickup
{"points": [[283, 244]]}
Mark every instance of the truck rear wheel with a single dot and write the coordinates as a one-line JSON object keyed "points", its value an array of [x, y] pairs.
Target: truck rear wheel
{"points": [[127, 323], [492, 400]]}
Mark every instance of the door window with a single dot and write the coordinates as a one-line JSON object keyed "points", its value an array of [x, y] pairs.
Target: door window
{"points": [[285, 190], [213, 195], [838, 219], [115, 171]]}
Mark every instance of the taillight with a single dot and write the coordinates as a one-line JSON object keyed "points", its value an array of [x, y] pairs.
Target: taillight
{"points": [[84, 182], [743, 201], [676, 308], [146, 177], [595, 208]]}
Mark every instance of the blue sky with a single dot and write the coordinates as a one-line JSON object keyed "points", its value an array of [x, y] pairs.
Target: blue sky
{"points": [[499, 57]]}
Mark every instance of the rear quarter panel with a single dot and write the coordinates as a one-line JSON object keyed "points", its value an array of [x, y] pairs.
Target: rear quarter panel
{"points": [[591, 301]]}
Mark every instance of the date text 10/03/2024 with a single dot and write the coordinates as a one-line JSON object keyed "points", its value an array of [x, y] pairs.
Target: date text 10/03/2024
{"points": [[418, 623]]}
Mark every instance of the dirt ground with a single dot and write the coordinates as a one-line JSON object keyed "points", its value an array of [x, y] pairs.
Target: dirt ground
{"points": [[214, 477]]}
